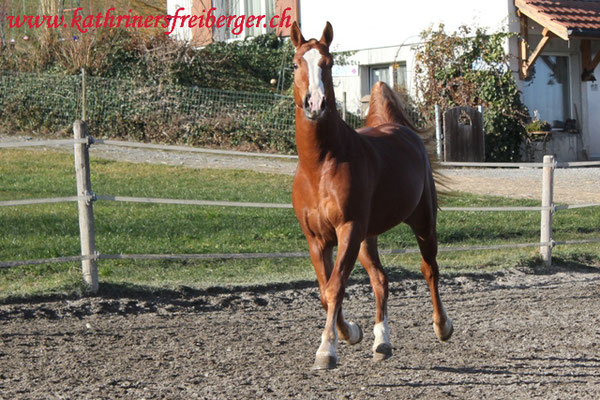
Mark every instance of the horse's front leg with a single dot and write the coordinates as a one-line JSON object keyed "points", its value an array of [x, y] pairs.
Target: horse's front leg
{"points": [[322, 259], [349, 238]]}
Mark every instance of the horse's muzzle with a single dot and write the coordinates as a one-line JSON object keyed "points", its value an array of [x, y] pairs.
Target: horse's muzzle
{"points": [[314, 105]]}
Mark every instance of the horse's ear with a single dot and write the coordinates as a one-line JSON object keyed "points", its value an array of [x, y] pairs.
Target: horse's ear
{"points": [[327, 36], [296, 36]]}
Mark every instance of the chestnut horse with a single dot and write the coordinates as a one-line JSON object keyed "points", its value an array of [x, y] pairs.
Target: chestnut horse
{"points": [[350, 187]]}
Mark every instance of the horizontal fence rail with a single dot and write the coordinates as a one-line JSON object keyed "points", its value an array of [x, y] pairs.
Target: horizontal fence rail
{"points": [[87, 197], [249, 256], [53, 142], [217, 203], [193, 202], [574, 164], [25, 202]]}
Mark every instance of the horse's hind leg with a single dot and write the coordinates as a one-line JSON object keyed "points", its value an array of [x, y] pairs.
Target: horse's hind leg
{"points": [[442, 324], [369, 258], [423, 224]]}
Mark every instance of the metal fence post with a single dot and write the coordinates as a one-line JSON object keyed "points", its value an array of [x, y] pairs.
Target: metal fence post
{"points": [[87, 234], [83, 96], [438, 131], [547, 201], [481, 109], [344, 106]]}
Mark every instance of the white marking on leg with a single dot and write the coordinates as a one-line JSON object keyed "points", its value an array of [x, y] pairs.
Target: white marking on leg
{"points": [[328, 345], [443, 332], [354, 333], [329, 340], [382, 333]]}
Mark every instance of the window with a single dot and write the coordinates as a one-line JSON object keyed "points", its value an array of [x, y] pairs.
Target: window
{"points": [[380, 73], [394, 75], [547, 92], [247, 8], [400, 81]]}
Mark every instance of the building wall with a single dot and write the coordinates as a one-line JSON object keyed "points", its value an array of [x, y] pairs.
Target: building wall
{"points": [[591, 123], [584, 96], [172, 7], [383, 33], [202, 36]]}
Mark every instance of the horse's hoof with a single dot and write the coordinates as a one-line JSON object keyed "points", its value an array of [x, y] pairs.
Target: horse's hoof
{"points": [[324, 361], [382, 352], [444, 333]]}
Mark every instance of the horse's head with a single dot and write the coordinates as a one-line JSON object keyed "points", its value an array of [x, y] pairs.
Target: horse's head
{"points": [[313, 85]]}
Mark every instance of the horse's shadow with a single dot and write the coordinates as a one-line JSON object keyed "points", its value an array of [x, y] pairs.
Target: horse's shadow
{"points": [[188, 296]]}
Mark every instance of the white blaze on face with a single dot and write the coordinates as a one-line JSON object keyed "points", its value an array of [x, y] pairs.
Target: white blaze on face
{"points": [[315, 84]]}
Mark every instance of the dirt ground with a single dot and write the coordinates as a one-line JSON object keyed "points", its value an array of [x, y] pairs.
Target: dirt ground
{"points": [[519, 334]]}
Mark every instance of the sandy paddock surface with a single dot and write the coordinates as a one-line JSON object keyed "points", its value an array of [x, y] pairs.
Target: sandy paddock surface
{"points": [[518, 335]]}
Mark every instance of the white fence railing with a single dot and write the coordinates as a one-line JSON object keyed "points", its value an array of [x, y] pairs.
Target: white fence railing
{"points": [[85, 199]]}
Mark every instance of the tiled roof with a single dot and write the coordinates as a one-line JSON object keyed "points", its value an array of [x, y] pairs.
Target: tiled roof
{"points": [[564, 17]]}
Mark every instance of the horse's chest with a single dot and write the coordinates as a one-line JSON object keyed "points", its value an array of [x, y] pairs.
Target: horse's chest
{"points": [[321, 221], [320, 205], [318, 215]]}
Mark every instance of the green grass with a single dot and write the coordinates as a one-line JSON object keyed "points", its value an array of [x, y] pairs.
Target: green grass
{"points": [[43, 231]]}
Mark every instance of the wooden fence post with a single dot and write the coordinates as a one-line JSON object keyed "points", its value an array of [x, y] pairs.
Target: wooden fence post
{"points": [[547, 201], [87, 235]]}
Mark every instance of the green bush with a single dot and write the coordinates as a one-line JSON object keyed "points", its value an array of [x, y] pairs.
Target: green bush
{"points": [[470, 68]]}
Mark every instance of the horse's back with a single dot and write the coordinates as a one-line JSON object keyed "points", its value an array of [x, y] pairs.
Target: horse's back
{"points": [[397, 147], [403, 173]]}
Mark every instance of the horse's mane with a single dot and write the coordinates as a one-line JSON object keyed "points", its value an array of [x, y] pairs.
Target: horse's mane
{"points": [[385, 106]]}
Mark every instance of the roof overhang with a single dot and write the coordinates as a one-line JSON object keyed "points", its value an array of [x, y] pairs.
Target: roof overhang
{"points": [[525, 9], [563, 19]]}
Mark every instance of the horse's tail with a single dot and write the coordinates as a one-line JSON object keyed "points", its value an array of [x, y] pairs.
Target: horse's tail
{"points": [[386, 107]]}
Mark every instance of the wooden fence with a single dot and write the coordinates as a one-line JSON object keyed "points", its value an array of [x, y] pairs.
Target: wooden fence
{"points": [[85, 198]]}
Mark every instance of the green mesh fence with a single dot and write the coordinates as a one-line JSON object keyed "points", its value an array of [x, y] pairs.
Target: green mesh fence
{"points": [[161, 113]]}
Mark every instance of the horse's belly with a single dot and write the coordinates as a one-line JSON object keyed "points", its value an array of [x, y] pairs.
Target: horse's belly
{"points": [[390, 209]]}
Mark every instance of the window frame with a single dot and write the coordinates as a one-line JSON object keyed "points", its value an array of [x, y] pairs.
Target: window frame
{"points": [[569, 84], [390, 68], [242, 11]]}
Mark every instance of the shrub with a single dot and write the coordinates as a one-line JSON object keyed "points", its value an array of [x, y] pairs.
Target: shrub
{"points": [[471, 68]]}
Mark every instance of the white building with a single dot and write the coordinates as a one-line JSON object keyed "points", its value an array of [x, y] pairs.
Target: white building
{"points": [[383, 35]]}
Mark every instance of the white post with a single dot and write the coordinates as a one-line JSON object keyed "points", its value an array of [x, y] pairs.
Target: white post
{"points": [[546, 224], [481, 109], [438, 131], [344, 105], [86, 209], [83, 96]]}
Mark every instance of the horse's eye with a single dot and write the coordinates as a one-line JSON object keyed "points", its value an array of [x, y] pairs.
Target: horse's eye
{"points": [[295, 65]]}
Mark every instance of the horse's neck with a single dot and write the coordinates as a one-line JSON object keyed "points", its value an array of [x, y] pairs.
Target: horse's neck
{"points": [[318, 141]]}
